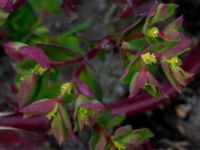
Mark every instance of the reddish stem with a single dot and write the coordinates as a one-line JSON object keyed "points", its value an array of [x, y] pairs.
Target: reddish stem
{"points": [[36, 123]]}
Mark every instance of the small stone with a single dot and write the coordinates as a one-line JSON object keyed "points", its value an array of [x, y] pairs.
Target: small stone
{"points": [[182, 111]]}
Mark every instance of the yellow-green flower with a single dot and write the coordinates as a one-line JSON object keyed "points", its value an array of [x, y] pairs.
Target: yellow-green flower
{"points": [[52, 113], [119, 146], [66, 88], [174, 61], [83, 111], [152, 32], [149, 58], [39, 69]]}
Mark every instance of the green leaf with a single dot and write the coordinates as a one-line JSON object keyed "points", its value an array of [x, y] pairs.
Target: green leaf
{"points": [[115, 121], [39, 87], [51, 91], [143, 134], [163, 12], [104, 117], [125, 139], [98, 141], [57, 129], [52, 6], [25, 67], [68, 38], [20, 22], [161, 46], [133, 69], [71, 42], [138, 44], [94, 139], [86, 24], [101, 144], [54, 73], [94, 84], [66, 121], [117, 29], [151, 89], [3, 16], [57, 52], [169, 75]]}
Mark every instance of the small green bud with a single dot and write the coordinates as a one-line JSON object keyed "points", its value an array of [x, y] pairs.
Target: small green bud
{"points": [[149, 58], [118, 145], [39, 69], [83, 111], [152, 32], [66, 88], [174, 61]]}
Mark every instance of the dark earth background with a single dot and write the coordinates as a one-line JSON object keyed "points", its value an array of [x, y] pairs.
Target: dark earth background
{"points": [[175, 124]]}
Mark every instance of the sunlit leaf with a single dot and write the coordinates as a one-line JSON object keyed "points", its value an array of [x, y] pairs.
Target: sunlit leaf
{"points": [[115, 121], [143, 134]]}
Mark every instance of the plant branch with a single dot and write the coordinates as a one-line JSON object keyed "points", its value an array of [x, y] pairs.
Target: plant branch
{"points": [[144, 102], [129, 106], [36, 123]]}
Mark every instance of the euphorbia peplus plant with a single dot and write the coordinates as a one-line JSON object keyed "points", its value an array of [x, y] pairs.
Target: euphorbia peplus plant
{"points": [[145, 40]]}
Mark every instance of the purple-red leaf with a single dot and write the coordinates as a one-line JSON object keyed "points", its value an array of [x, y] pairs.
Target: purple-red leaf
{"points": [[12, 50], [178, 49], [151, 79], [163, 12], [36, 54], [9, 5], [122, 131], [25, 89], [139, 82], [84, 88], [57, 129], [18, 51], [42, 106], [149, 15], [169, 74], [171, 32], [6, 5], [19, 3], [3, 3], [178, 76], [93, 105]]}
